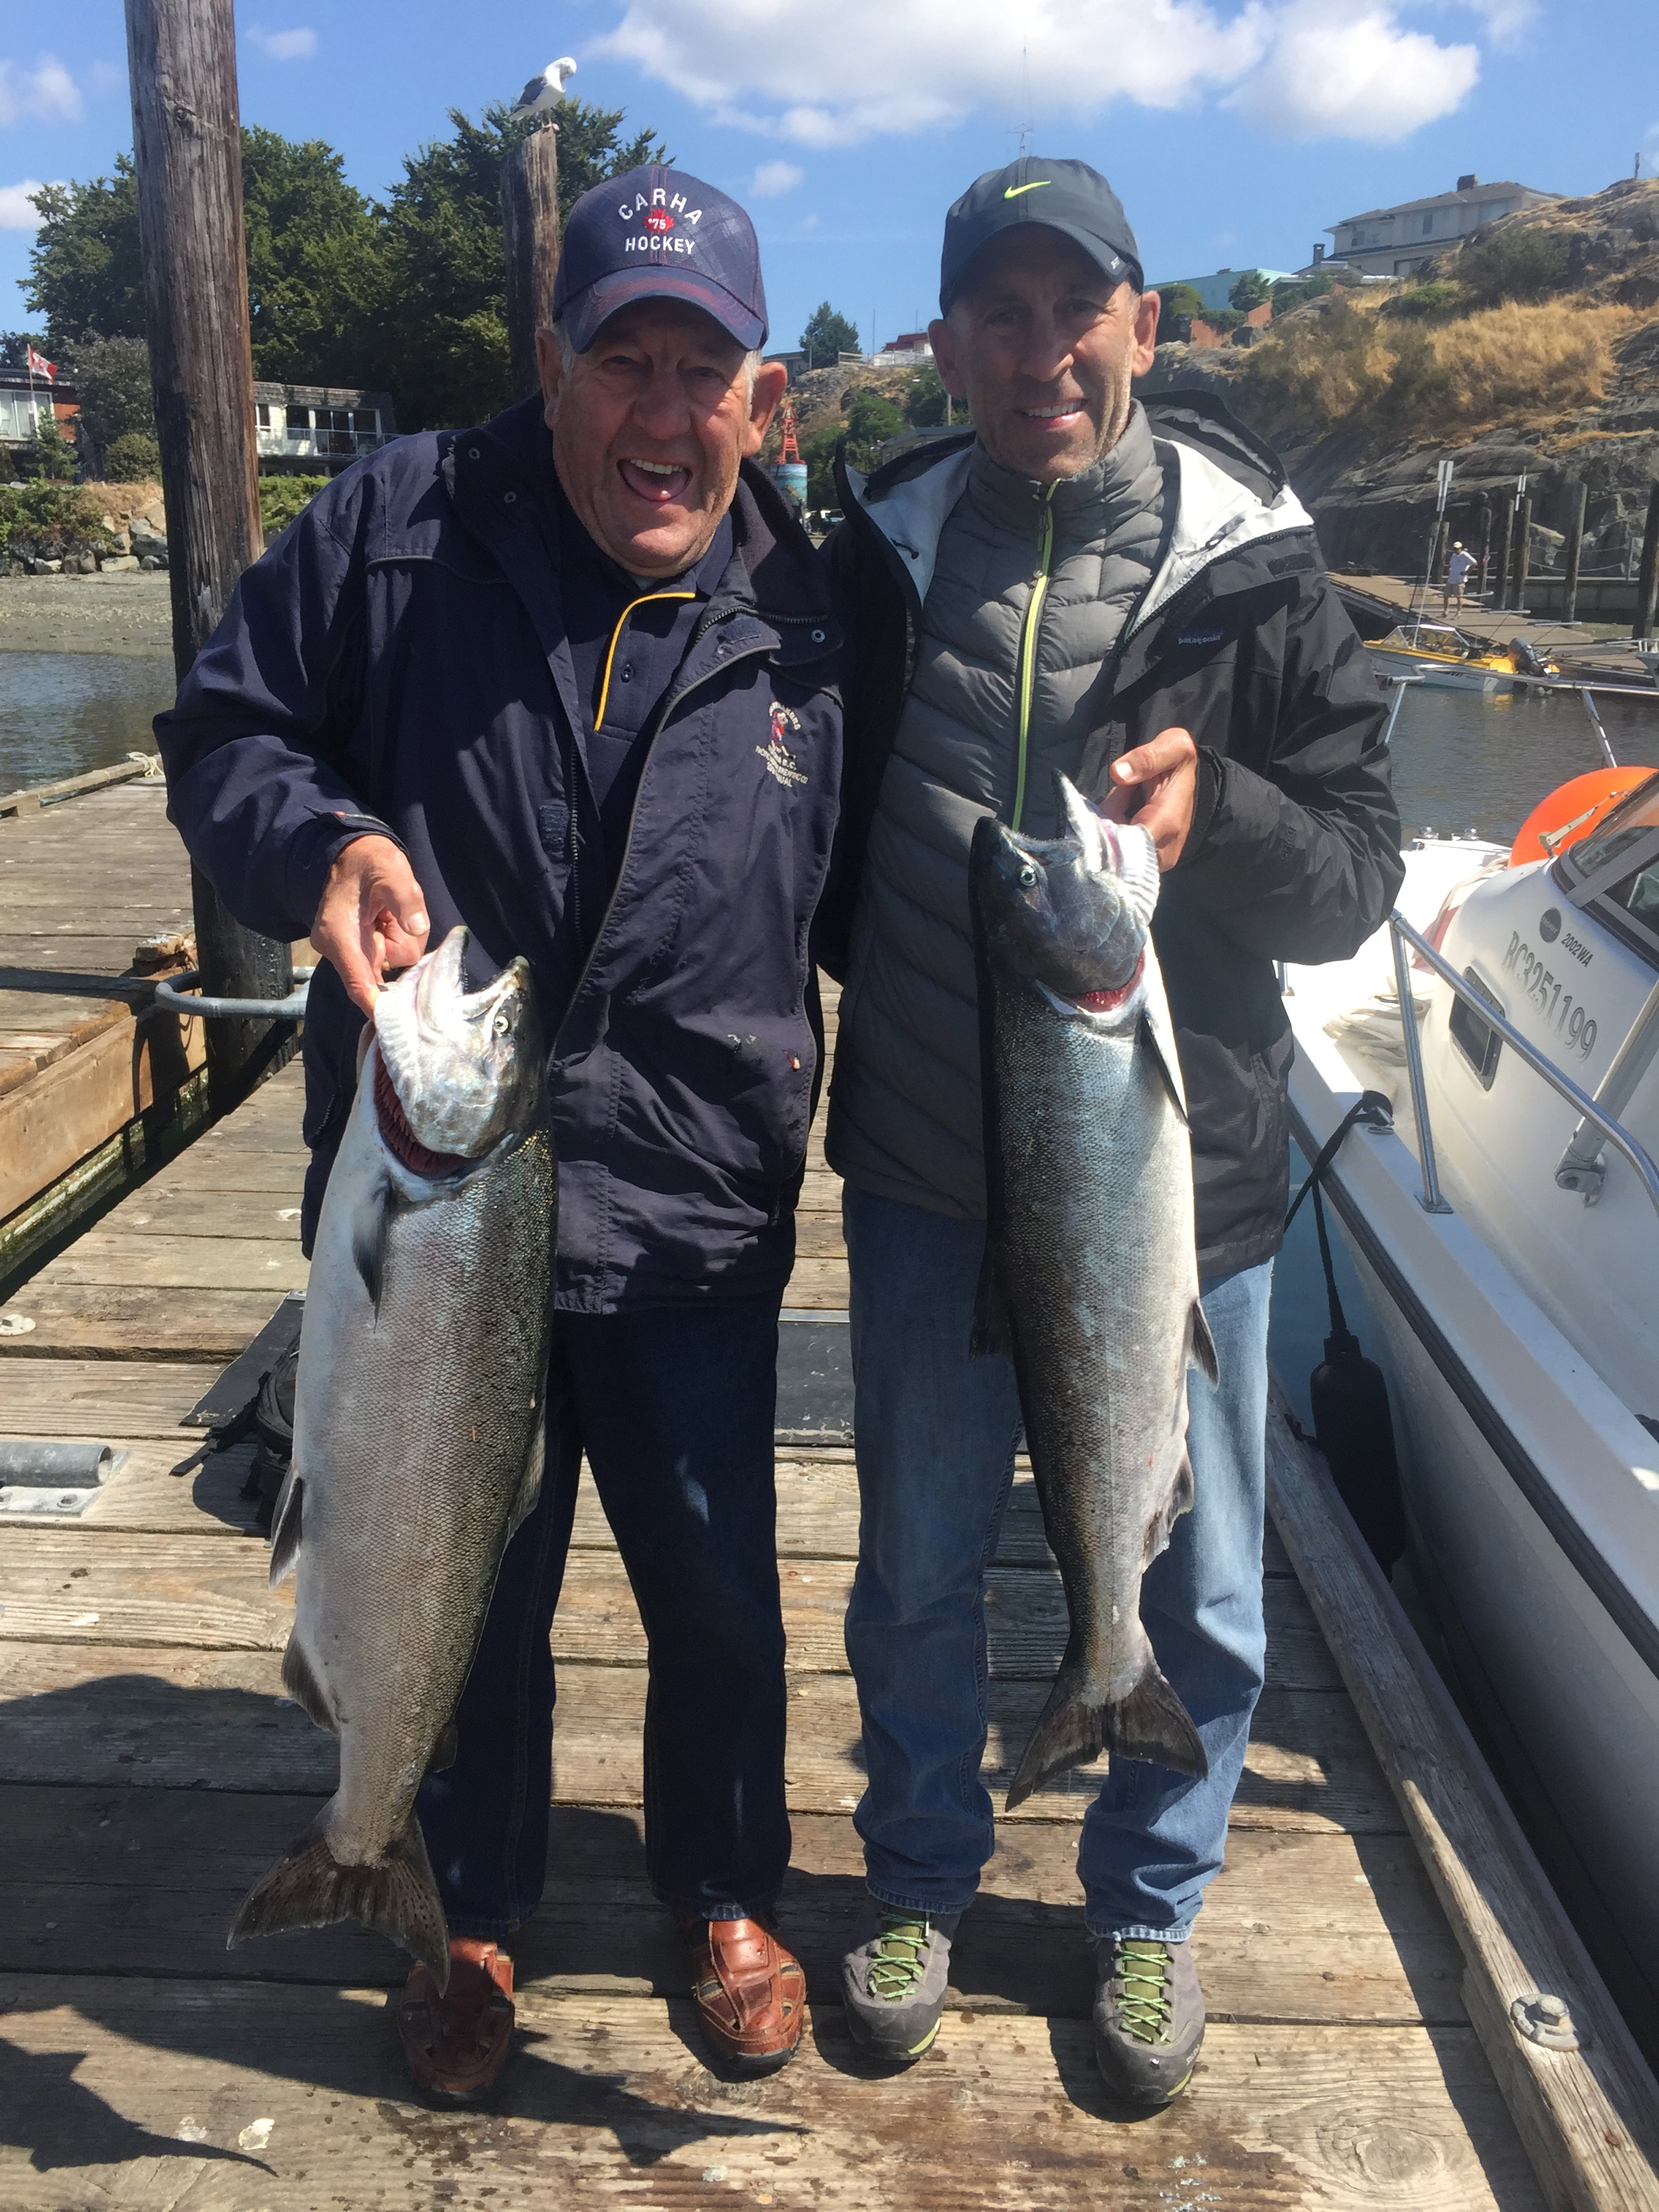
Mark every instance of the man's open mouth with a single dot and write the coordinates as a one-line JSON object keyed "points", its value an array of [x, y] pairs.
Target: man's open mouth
{"points": [[661, 482]]}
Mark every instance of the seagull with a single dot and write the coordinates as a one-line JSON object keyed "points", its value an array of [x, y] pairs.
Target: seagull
{"points": [[545, 90]]}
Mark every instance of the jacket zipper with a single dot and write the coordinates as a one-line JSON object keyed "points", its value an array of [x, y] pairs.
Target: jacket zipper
{"points": [[663, 713], [1030, 630]]}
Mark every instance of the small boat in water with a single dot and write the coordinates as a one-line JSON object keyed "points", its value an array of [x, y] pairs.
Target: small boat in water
{"points": [[1441, 654], [1505, 1231]]}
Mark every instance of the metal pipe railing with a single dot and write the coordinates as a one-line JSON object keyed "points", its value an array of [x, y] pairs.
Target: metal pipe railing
{"points": [[171, 999], [1613, 1133]]}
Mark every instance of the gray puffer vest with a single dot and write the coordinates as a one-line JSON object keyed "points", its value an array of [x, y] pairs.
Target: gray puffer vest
{"points": [[998, 702]]}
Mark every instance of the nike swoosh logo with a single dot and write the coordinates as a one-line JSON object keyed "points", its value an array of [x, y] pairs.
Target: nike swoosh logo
{"points": [[1013, 192]]}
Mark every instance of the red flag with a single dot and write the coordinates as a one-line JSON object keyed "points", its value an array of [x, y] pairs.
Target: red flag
{"points": [[39, 366]]}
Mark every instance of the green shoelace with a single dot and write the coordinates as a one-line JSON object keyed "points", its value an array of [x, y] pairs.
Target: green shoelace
{"points": [[1145, 2007], [900, 1958]]}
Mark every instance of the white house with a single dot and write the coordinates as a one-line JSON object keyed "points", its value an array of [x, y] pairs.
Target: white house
{"points": [[1393, 242], [317, 429]]}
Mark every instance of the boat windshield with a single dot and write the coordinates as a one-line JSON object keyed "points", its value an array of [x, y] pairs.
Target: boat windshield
{"points": [[1628, 825]]}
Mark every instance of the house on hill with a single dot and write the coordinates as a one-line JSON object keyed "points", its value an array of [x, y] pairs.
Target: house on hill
{"points": [[1214, 288], [1394, 242], [316, 429]]}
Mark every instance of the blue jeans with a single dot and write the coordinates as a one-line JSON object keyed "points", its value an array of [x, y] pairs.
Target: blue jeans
{"points": [[936, 1434], [675, 1408]]}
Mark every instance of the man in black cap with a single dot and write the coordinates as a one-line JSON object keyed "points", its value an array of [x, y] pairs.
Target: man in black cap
{"points": [[1126, 591], [575, 690]]}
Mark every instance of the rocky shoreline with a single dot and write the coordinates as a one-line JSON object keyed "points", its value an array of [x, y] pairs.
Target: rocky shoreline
{"points": [[114, 612]]}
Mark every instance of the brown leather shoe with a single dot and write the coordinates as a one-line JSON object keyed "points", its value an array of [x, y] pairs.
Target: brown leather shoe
{"points": [[750, 1992], [457, 2043]]}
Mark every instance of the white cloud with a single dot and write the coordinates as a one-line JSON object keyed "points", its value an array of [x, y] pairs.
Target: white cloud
{"points": [[44, 93], [1507, 21], [1298, 68], [15, 211], [773, 179], [295, 46], [1357, 76]]}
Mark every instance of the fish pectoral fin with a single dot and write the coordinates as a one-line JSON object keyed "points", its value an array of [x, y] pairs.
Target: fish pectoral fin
{"points": [[445, 1750], [369, 1224], [301, 1684], [530, 1489], [992, 1331], [286, 1526], [1200, 1345], [1163, 1052]]}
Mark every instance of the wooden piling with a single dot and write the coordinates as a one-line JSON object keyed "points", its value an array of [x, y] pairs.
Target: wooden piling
{"points": [[530, 226], [1485, 539], [1505, 538], [186, 139], [1522, 554], [1646, 575], [1574, 553]]}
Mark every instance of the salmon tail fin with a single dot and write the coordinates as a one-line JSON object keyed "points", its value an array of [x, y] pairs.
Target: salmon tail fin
{"points": [[992, 1331], [308, 1887], [1150, 1723]]}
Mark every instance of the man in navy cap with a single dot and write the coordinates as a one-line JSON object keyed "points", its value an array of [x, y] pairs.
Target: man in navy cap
{"points": [[1127, 591], [567, 679]]}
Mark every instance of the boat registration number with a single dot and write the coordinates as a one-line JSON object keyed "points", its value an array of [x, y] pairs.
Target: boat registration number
{"points": [[1561, 1010]]}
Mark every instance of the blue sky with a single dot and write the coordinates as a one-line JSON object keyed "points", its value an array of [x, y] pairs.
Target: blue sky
{"points": [[1234, 129]]}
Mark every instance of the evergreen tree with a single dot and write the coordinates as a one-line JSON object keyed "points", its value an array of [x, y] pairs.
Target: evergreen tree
{"points": [[112, 378], [827, 336], [85, 273], [1250, 290]]}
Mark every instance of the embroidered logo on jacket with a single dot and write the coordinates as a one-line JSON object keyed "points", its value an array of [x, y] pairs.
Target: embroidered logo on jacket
{"points": [[780, 762]]}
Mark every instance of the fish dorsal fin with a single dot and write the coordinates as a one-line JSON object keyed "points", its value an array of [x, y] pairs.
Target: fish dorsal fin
{"points": [[446, 1749], [285, 1527], [1200, 1345], [530, 1489], [993, 1332]]}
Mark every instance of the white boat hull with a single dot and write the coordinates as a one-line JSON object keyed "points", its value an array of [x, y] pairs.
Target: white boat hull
{"points": [[1441, 675]]}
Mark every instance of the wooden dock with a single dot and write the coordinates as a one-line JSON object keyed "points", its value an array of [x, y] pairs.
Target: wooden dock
{"points": [[149, 1770], [93, 887]]}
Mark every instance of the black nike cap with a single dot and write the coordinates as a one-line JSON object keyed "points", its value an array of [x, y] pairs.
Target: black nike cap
{"points": [[1068, 196]]}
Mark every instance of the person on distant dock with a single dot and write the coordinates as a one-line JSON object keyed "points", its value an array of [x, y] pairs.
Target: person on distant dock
{"points": [[569, 678], [1127, 591], [1457, 574]]}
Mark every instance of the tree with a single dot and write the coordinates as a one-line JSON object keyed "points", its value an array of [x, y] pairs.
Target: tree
{"points": [[441, 342], [14, 347], [869, 422], [85, 272], [112, 376], [48, 452], [1176, 306], [827, 337], [1250, 290], [924, 407], [1512, 265], [1297, 295]]}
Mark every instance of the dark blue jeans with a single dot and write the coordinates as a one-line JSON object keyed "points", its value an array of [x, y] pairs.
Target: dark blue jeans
{"points": [[674, 1406]]}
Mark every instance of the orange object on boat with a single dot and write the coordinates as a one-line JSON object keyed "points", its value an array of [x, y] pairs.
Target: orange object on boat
{"points": [[1573, 811]]}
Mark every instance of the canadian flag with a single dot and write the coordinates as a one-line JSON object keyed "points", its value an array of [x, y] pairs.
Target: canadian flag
{"points": [[39, 366]]}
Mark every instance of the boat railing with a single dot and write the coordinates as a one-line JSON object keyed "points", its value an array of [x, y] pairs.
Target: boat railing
{"points": [[1591, 1116]]}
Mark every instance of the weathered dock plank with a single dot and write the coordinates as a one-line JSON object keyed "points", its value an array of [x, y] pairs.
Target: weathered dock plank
{"points": [[149, 2089]]}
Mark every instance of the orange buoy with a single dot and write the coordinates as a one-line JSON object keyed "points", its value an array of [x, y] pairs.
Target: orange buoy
{"points": [[1573, 811]]}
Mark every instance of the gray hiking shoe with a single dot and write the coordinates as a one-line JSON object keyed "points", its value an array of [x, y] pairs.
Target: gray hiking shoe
{"points": [[1148, 2018], [893, 1984]]}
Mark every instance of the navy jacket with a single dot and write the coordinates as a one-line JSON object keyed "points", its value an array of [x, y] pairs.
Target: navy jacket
{"points": [[397, 661]]}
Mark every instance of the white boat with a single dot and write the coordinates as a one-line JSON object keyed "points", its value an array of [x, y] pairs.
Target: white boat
{"points": [[1511, 1269]]}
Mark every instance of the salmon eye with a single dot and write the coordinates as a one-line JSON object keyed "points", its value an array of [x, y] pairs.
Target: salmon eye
{"points": [[503, 1024], [1028, 876]]}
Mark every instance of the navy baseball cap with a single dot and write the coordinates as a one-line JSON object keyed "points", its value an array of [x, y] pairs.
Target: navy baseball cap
{"points": [[655, 233], [1068, 196]]}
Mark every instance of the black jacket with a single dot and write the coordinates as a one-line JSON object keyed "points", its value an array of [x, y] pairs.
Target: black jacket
{"points": [[398, 661], [1294, 849]]}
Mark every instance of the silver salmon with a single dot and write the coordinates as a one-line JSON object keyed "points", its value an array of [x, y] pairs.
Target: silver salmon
{"points": [[419, 1426], [1090, 1283]]}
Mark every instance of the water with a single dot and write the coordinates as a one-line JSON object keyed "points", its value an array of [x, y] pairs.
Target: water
{"points": [[61, 713], [1463, 760]]}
